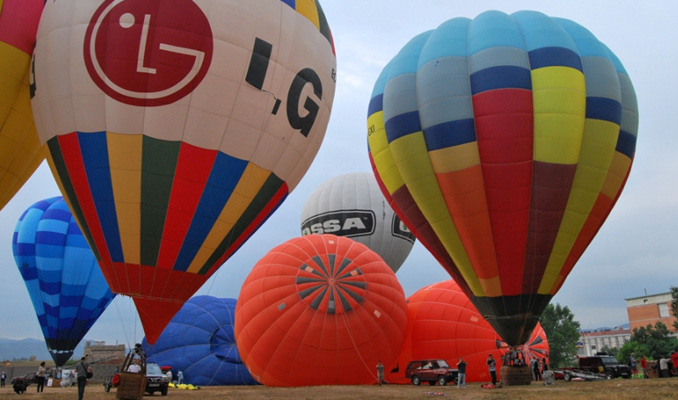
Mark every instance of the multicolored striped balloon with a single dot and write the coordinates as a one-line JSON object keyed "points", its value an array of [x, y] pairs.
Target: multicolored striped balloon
{"points": [[503, 142], [20, 149], [175, 128], [63, 278]]}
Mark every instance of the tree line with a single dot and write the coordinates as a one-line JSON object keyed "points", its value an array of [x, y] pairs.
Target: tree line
{"points": [[563, 333]]}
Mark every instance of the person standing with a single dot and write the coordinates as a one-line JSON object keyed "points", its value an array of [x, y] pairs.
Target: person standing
{"points": [[134, 367], [461, 379], [40, 377], [535, 370], [492, 366], [380, 373], [633, 365], [664, 367], [180, 377], [643, 365], [3, 377], [81, 369]]}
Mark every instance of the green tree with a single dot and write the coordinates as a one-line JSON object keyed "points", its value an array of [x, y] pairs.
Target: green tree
{"points": [[640, 349], [610, 350], [656, 339], [674, 305], [562, 332]]}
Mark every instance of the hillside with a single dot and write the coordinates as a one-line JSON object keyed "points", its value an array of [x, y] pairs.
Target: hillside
{"points": [[25, 348]]}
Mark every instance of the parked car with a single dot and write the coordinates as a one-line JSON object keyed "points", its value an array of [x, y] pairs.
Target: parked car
{"points": [[156, 380], [431, 371], [20, 383], [604, 363]]}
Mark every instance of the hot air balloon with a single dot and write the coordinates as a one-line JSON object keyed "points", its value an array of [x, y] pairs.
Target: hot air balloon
{"points": [[175, 128], [63, 279], [443, 323], [352, 205], [199, 342], [319, 310], [503, 142], [20, 149]]}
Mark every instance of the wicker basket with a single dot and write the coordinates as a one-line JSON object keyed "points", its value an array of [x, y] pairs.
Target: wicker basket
{"points": [[515, 375], [131, 387]]}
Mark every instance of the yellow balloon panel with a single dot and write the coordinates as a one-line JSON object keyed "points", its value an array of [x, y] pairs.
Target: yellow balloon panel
{"points": [[20, 149]]}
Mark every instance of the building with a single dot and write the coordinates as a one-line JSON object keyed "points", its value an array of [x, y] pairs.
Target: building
{"points": [[591, 342], [651, 309], [99, 352]]}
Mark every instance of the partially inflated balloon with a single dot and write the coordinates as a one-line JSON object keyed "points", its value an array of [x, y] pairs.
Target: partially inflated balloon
{"points": [[503, 142], [20, 149], [199, 341], [442, 323], [352, 205], [175, 128], [319, 310], [65, 283]]}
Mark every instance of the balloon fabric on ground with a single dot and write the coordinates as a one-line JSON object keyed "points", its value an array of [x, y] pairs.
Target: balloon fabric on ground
{"points": [[319, 310], [199, 342], [20, 149], [171, 157], [352, 205], [443, 324], [503, 142], [62, 276]]}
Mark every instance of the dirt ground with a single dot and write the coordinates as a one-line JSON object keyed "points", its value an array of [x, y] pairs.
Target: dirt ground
{"points": [[618, 389]]}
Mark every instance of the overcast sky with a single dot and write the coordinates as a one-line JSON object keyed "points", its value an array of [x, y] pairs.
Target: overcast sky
{"points": [[635, 251]]}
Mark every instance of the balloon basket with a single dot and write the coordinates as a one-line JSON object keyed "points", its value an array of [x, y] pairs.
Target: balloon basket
{"points": [[516, 375], [132, 386]]}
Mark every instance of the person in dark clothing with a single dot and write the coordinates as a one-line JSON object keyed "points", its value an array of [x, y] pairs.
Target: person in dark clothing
{"points": [[492, 366], [81, 369], [461, 380], [537, 372], [40, 377]]}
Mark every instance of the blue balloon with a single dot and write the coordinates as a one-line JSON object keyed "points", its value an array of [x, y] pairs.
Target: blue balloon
{"points": [[199, 341], [63, 278]]}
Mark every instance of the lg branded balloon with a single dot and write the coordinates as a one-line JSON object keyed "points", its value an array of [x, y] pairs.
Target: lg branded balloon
{"points": [[503, 142], [199, 342], [319, 310], [443, 323], [176, 127], [20, 149], [66, 286], [352, 205]]}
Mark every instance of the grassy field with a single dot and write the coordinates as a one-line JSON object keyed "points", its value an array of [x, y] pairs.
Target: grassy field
{"points": [[618, 389]]}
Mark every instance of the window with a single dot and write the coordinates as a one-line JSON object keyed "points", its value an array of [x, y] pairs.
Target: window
{"points": [[663, 310]]}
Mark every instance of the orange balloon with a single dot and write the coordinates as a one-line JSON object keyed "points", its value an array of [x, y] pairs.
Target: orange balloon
{"points": [[444, 324], [319, 310]]}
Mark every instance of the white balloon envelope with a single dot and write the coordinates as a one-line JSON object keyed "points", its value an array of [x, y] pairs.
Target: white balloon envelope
{"points": [[352, 205]]}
